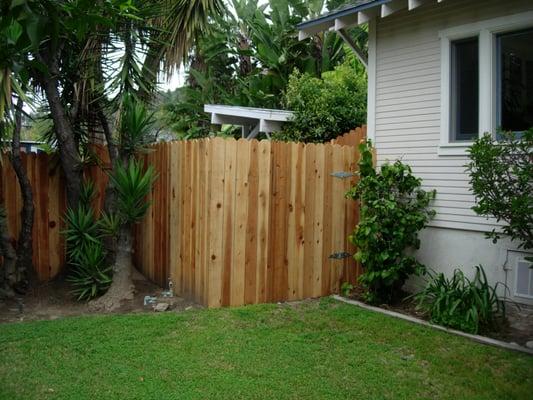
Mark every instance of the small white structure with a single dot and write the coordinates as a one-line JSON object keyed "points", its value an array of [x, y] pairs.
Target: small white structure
{"points": [[252, 120], [440, 74]]}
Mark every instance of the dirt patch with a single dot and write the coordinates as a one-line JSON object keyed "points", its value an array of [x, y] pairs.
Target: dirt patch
{"points": [[510, 331], [53, 300]]}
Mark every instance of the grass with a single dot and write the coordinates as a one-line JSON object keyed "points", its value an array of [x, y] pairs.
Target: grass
{"points": [[314, 350]]}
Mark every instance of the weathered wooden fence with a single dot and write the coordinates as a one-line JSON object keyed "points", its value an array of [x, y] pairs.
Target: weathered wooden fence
{"points": [[44, 172], [231, 222]]}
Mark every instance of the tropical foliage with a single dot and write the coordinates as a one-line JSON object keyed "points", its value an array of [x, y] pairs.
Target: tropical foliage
{"points": [[393, 209], [326, 107], [91, 64], [501, 175], [89, 273], [247, 60], [471, 305], [132, 183]]}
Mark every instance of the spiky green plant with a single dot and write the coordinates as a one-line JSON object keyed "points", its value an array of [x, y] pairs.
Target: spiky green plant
{"points": [[108, 224], [81, 231], [135, 126], [467, 304], [90, 276], [88, 193], [132, 183]]}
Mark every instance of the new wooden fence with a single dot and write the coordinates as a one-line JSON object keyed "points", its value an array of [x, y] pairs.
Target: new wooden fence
{"points": [[240, 222], [231, 222]]}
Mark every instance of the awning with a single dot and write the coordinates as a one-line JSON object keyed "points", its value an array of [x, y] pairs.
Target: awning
{"points": [[252, 120]]}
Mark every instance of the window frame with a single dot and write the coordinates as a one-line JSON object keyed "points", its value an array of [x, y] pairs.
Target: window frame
{"points": [[486, 31]]}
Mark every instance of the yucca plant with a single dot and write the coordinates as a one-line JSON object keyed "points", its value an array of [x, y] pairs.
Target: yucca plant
{"points": [[81, 232], [135, 128], [108, 224], [88, 193], [89, 275], [470, 305], [132, 184]]}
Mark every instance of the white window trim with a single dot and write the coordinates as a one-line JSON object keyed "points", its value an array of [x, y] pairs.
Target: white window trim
{"points": [[371, 73], [486, 31]]}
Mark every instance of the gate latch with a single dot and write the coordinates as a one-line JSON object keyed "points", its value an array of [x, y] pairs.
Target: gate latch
{"points": [[344, 174]]}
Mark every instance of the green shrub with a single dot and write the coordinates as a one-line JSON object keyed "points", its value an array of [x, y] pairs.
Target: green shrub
{"points": [[324, 108], [501, 175], [458, 302], [89, 274], [81, 232], [132, 184], [393, 210]]}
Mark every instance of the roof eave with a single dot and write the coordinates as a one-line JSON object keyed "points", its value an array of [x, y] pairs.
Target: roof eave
{"points": [[357, 15]]}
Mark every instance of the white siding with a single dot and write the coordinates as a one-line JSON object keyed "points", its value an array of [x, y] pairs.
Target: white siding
{"points": [[407, 99]]}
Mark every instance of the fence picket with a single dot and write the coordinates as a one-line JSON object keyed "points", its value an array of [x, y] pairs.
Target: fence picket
{"points": [[230, 222]]}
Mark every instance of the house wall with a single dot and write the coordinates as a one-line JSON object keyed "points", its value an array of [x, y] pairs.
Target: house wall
{"points": [[405, 121]]}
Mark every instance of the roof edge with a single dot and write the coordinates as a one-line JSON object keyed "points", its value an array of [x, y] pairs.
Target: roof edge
{"points": [[340, 13]]}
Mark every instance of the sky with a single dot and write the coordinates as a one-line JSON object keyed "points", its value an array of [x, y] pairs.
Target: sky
{"points": [[176, 80]]}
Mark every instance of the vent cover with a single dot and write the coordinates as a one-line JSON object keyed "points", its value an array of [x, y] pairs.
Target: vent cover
{"points": [[524, 279]]}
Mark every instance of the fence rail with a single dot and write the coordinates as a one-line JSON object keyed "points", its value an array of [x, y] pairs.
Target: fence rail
{"points": [[231, 221]]}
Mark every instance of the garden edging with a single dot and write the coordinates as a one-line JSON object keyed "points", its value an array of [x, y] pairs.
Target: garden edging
{"points": [[477, 338]]}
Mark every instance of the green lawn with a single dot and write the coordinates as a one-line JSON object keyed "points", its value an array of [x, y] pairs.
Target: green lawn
{"points": [[316, 350]]}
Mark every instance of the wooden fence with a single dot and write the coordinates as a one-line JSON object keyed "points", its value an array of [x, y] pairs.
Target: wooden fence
{"points": [[247, 221], [231, 222], [44, 173]]}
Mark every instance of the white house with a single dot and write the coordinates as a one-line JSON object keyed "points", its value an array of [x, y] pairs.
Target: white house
{"points": [[441, 73]]}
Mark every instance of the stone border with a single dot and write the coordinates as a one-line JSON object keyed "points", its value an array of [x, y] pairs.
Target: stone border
{"points": [[476, 338]]}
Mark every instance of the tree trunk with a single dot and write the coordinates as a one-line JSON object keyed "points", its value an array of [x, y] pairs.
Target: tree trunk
{"points": [[24, 244], [110, 195], [122, 287], [9, 276], [68, 149]]}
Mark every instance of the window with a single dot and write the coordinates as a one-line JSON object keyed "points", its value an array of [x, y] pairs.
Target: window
{"points": [[486, 80], [515, 80], [464, 93]]}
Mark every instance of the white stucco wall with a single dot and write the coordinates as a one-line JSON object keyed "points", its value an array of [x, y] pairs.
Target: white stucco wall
{"points": [[445, 249], [405, 123]]}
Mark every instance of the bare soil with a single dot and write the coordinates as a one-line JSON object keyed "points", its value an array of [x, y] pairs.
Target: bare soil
{"points": [[53, 300]]}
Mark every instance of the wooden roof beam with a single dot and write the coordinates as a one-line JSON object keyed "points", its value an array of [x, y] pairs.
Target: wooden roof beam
{"points": [[412, 4], [392, 7], [346, 21], [366, 15]]}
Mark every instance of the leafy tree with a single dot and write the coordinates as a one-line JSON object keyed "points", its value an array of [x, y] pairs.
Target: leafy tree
{"points": [[393, 209], [501, 175], [325, 108], [247, 59]]}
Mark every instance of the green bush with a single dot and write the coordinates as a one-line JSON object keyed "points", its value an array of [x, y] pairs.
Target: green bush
{"points": [[89, 274], [501, 175], [458, 302], [324, 108], [132, 184], [393, 210]]}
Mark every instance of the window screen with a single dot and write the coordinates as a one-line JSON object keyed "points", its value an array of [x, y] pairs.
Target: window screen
{"points": [[464, 92], [515, 80]]}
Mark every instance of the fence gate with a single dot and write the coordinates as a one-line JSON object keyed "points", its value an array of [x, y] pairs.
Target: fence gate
{"points": [[231, 222]]}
